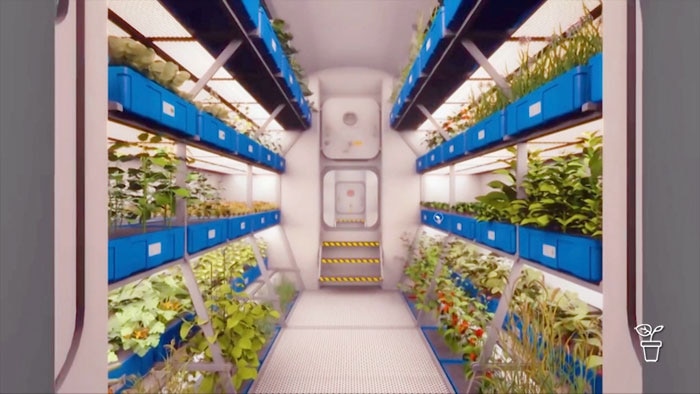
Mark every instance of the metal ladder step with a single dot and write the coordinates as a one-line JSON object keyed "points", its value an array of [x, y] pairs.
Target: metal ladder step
{"points": [[350, 244], [371, 280], [350, 261]]}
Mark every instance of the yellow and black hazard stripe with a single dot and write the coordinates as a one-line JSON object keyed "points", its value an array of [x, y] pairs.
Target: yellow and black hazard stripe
{"points": [[337, 279], [350, 220], [350, 261], [351, 243]]}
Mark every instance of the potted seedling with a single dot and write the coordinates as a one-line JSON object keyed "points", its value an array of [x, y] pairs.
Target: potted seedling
{"points": [[650, 346]]}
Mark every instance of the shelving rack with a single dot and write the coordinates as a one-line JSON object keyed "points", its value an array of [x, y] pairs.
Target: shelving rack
{"points": [[451, 52], [240, 52]]}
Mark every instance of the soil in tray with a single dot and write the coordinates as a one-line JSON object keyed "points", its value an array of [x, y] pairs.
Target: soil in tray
{"points": [[136, 229], [442, 351]]}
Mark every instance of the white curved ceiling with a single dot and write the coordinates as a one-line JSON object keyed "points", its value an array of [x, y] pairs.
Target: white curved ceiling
{"points": [[351, 33]]}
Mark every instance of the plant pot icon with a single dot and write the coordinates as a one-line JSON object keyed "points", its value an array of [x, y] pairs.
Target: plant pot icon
{"points": [[651, 350]]}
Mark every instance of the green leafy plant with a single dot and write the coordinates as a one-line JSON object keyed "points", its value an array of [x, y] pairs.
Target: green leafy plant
{"points": [[286, 291], [285, 37], [129, 52], [440, 206], [145, 190], [139, 312], [240, 326]]}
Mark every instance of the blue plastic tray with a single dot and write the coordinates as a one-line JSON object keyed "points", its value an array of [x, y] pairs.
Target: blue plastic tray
{"points": [[204, 235], [596, 70], [147, 99], [464, 226], [455, 147], [135, 253], [500, 236], [487, 132], [434, 42], [436, 219], [215, 132], [246, 147], [576, 255]]}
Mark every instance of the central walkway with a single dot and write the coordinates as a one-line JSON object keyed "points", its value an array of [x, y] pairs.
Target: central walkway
{"points": [[351, 341]]}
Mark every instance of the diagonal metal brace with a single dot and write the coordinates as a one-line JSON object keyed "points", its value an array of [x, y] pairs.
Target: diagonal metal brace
{"points": [[432, 120], [483, 61], [223, 57], [269, 120]]}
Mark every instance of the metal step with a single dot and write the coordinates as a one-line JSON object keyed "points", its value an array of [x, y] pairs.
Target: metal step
{"points": [[350, 260], [351, 269], [350, 280], [350, 244]]}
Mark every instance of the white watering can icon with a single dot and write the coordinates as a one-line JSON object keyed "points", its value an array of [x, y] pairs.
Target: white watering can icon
{"points": [[438, 218]]}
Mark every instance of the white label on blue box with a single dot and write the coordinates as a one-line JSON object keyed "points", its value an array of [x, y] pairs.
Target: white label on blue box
{"points": [[452, 148], [459, 226], [432, 157], [410, 78], [549, 251], [168, 109], [491, 235], [250, 148], [222, 135], [481, 134], [535, 109], [269, 157], [242, 225], [428, 44], [274, 45], [154, 249], [212, 233], [262, 220]]}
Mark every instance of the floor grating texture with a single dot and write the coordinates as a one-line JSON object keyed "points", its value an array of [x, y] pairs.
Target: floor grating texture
{"points": [[350, 341]]}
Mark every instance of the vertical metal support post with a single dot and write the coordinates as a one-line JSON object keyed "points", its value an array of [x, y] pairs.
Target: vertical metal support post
{"points": [[432, 120], [290, 254], [269, 120], [483, 61], [188, 275], [249, 185], [496, 324], [226, 54], [269, 288], [453, 185]]}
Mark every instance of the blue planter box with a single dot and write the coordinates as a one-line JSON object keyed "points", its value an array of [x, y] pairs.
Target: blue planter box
{"points": [[577, 255], [455, 147], [562, 96], [491, 304], [133, 365], [239, 226], [596, 69], [281, 164], [436, 219], [455, 12], [267, 157], [215, 132], [409, 85], [249, 276], [487, 132], [500, 236], [246, 147], [464, 226], [260, 221], [201, 236], [271, 43], [273, 218], [433, 43], [250, 15], [422, 163], [135, 253], [147, 99], [435, 157]]}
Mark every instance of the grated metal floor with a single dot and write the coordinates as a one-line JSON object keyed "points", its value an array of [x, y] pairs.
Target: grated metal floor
{"points": [[350, 341]]}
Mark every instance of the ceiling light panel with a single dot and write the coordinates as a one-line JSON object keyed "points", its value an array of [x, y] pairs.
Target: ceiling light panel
{"points": [[233, 92], [148, 17], [192, 56]]}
